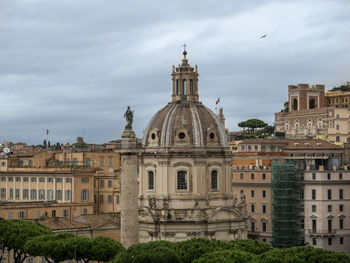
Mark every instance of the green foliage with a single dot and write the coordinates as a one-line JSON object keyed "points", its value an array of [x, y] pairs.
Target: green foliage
{"points": [[252, 124], [104, 248], [306, 254], [51, 246], [15, 233], [251, 246], [227, 256], [156, 251], [194, 248]]}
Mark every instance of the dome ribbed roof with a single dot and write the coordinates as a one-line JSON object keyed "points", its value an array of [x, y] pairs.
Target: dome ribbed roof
{"points": [[185, 124]]}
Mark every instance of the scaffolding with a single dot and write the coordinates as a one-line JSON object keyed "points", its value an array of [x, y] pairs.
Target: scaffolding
{"points": [[286, 205]]}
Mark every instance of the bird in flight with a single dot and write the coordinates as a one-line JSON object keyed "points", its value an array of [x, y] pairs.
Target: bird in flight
{"points": [[264, 36]]}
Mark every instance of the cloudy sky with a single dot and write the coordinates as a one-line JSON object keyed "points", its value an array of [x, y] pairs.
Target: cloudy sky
{"points": [[73, 66]]}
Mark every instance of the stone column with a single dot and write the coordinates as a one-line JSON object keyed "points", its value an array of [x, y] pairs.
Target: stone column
{"points": [[129, 189]]}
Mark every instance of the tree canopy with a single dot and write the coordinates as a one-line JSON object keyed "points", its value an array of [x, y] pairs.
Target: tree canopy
{"points": [[252, 124]]}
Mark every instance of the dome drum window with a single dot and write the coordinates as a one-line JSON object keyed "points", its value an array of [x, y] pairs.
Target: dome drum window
{"points": [[153, 137], [212, 136], [181, 136]]}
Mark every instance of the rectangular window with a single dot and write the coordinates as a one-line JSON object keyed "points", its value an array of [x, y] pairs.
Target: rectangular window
{"points": [[102, 161], [252, 193], [110, 161], [3, 179], [50, 180], [314, 225], [50, 195], [328, 176], [65, 213], [214, 179], [68, 195], [341, 241], [329, 208], [25, 194], [329, 241], [341, 208], [10, 179], [25, 179], [3, 193], [87, 162], [314, 241], [11, 193], [84, 195], [263, 193], [102, 183], [33, 194], [252, 176], [181, 180], [264, 209], [110, 183], [252, 208], [59, 195], [264, 176], [10, 215], [84, 180], [101, 199], [252, 226], [21, 215], [313, 194], [17, 193], [340, 176], [59, 180], [341, 223], [150, 180], [41, 194], [313, 208], [341, 194], [85, 211], [42, 179], [53, 213], [329, 194], [330, 226], [30, 163], [33, 179], [241, 176], [37, 214], [313, 176], [117, 199], [18, 179], [110, 199], [264, 226]]}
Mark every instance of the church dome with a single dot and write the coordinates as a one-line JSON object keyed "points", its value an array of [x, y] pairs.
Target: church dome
{"points": [[185, 122]]}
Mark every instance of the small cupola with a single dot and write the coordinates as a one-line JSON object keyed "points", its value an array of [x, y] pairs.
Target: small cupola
{"points": [[185, 81]]}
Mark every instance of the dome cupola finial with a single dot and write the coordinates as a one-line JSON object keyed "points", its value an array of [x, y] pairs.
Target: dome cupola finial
{"points": [[185, 81]]}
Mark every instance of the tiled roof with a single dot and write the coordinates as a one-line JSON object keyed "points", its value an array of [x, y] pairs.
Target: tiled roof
{"points": [[61, 223], [95, 220]]}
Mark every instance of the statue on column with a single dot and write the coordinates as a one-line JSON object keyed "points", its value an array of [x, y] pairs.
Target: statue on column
{"points": [[129, 116]]}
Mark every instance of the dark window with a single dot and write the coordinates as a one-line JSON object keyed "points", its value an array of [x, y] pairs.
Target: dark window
{"points": [[182, 135], [110, 199], [329, 241], [314, 225], [314, 241], [150, 180], [341, 208], [340, 176], [212, 135], [328, 176], [295, 104], [313, 176], [264, 209], [329, 225], [341, 194], [110, 184], [153, 136], [191, 86], [313, 208], [329, 194], [214, 179], [102, 183], [341, 223], [313, 193], [341, 241], [101, 199], [252, 176], [181, 180], [53, 213], [252, 208], [184, 91], [241, 176], [329, 208], [263, 193], [252, 226], [264, 226], [263, 176], [177, 87], [312, 104], [252, 193]]}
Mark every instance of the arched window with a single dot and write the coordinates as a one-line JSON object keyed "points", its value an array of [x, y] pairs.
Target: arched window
{"points": [[182, 180], [312, 104], [214, 180], [184, 88], [150, 180], [295, 104]]}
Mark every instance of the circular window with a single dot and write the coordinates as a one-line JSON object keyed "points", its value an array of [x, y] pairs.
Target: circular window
{"points": [[182, 135], [153, 136], [212, 135]]}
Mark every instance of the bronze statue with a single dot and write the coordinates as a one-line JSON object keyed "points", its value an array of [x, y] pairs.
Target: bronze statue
{"points": [[129, 116]]}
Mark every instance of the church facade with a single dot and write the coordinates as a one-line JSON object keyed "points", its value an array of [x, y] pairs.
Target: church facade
{"points": [[185, 170]]}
